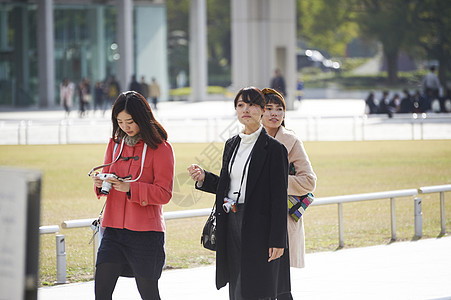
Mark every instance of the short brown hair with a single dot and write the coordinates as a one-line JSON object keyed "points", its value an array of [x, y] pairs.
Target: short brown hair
{"points": [[273, 96]]}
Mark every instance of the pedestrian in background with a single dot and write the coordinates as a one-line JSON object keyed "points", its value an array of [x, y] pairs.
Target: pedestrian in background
{"points": [[67, 95], [431, 87], [299, 89], [154, 92], [278, 83], [384, 105], [371, 103], [87, 96], [134, 85], [112, 89], [99, 97], [419, 102], [81, 89], [406, 105], [395, 103], [144, 88]]}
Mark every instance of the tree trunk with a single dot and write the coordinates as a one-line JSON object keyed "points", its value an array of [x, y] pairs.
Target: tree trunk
{"points": [[392, 67]]}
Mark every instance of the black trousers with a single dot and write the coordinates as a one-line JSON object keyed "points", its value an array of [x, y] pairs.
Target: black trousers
{"points": [[106, 278], [234, 254]]}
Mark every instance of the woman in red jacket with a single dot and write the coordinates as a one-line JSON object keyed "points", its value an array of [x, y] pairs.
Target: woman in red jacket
{"points": [[133, 240]]}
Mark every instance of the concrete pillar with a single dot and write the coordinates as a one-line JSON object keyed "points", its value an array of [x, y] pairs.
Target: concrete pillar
{"points": [[125, 42], [151, 45], [97, 38], [198, 50], [3, 41], [283, 20], [241, 60], [46, 63], [264, 39]]}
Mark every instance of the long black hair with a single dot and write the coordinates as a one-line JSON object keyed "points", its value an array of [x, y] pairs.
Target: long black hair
{"points": [[134, 104]]}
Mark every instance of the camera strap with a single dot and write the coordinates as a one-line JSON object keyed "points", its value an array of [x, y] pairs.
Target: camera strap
{"points": [[244, 168], [142, 164], [113, 160], [96, 224], [117, 158]]}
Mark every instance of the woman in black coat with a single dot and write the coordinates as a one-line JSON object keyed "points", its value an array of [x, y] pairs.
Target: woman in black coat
{"points": [[252, 254]]}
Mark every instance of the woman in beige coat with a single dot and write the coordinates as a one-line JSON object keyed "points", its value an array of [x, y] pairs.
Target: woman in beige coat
{"points": [[304, 179]]}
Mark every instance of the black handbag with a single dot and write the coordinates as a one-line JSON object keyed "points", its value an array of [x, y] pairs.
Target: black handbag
{"points": [[208, 238]]}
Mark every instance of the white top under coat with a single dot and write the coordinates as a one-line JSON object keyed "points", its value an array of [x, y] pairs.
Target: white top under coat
{"points": [[246, 144]]}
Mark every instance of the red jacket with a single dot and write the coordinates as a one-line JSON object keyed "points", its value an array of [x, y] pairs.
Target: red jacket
{"points": [[143, 210]]}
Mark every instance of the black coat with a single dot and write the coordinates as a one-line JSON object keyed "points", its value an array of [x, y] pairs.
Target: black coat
{"points": [[264, 221]]}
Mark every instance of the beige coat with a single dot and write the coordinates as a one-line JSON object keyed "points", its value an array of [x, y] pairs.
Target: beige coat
{"points": [[300, 184], [154, 90]]}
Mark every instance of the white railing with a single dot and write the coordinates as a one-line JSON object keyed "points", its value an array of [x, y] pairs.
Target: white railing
{"points": [[438, 189], [48, 229], [171, 215], [60, 251], [218, 129], [339, 200]]}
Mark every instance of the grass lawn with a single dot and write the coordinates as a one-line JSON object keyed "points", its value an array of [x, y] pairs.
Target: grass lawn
{"points": [[342, 168]]}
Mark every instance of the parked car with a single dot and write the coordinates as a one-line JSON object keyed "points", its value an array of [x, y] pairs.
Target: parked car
{"points": [[314, 58]]}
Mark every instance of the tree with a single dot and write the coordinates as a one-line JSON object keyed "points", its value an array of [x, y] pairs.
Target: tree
{"points": [[178, 24], [327, 24], [219, 41], [434, 27], [390, 22]]}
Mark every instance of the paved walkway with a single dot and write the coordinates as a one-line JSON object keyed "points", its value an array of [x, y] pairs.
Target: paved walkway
{"points": [[402, 270]]}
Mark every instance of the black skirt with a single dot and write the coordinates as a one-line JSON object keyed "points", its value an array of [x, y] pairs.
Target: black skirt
{"points": [[141, 253]]}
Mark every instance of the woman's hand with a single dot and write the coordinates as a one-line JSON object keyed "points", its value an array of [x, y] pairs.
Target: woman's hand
{"points": [[118, 185], [275, 253], [196, 173], [97, 182]]}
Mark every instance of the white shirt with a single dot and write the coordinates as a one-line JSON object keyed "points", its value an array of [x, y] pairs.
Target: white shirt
{"points": [[244, 150]]}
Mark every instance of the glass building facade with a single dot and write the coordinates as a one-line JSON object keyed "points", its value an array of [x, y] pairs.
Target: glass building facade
{"points": [[85, 46]]}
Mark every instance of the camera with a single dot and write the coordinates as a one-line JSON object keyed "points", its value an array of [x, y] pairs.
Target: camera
{"points": [[106, 186], [229, 205]]}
